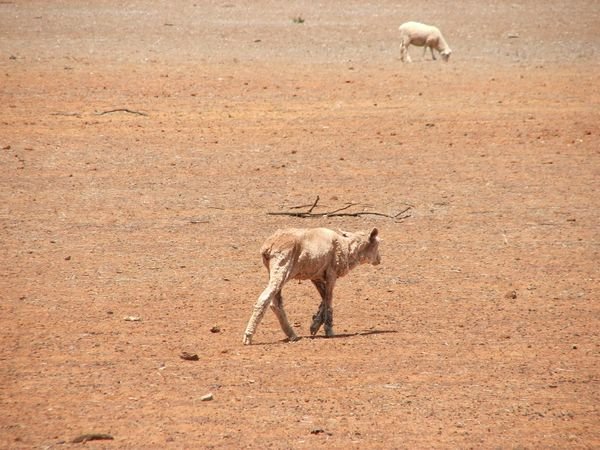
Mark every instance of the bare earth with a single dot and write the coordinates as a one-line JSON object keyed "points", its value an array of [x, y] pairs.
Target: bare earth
{"points": [[142, 145]]}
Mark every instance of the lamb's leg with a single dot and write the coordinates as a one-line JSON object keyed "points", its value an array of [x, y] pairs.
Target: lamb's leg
{"points": [[432, 53], [329, 322], [404, 55], [328, 310], [277, 307], [318, 317], [278, 275], [258, 313]]}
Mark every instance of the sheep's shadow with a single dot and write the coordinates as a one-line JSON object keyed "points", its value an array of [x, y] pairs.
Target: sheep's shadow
{"points": [[335, 336], [349, 335]]}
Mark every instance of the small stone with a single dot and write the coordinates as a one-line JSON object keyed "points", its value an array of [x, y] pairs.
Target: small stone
{"points": [[206, 398], [321, 431], [91, 437], [511, 294], [189, 356], [132, 318], [215, 329]]}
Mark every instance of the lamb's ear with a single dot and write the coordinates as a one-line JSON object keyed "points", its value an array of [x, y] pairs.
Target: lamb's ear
{"points": [[373, 235]]}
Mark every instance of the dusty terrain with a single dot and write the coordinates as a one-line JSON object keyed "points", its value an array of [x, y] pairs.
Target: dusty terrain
{"points": [[142, 145]]}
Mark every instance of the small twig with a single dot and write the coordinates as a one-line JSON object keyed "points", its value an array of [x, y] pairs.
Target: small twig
{"points": [[74, 114], [300, 206], [121, 110], [293, 214], [331, 213], [408, 208], [364, 213], [314, 204], [360, 213]]}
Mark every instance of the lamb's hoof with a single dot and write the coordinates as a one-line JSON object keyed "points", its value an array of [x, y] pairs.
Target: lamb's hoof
{"points": [[314, 328], [329, 332], [293, 338], [247, 339]]}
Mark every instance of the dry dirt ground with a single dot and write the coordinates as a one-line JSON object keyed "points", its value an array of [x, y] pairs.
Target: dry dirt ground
{"points": [[142, 145]]}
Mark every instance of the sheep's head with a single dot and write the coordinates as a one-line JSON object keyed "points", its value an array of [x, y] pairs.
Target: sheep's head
{"points": [[446, 54], [373, 249], [368, 252]]}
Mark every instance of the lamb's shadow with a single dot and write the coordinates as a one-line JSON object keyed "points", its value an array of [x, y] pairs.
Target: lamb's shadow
{"points": [[349, 335], [336, 336]]}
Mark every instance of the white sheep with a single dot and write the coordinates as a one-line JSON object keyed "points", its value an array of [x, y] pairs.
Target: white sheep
{"points": [[422, 35], [317, 254]]}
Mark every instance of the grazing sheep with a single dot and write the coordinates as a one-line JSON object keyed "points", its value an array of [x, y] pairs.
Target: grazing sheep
{"points": [[317, 254], [422, 35]]}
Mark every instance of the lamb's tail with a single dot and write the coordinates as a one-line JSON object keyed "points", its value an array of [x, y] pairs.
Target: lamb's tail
{"points": [[266, 256]]}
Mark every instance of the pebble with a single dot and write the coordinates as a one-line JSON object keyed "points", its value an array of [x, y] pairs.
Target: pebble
{"points": [[189, 356], [132, 318]]}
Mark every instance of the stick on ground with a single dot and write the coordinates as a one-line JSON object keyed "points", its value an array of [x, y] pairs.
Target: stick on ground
{"points": [[337, 212], [92, 437], [130, 111]]}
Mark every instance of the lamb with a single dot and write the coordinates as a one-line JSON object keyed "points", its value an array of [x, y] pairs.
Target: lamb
{"points": [[317, 254], [422, 35]]}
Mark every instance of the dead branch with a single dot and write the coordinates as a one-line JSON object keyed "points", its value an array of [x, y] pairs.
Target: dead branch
{"points": [[301, 206], [110, 111], [338, 212]]}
